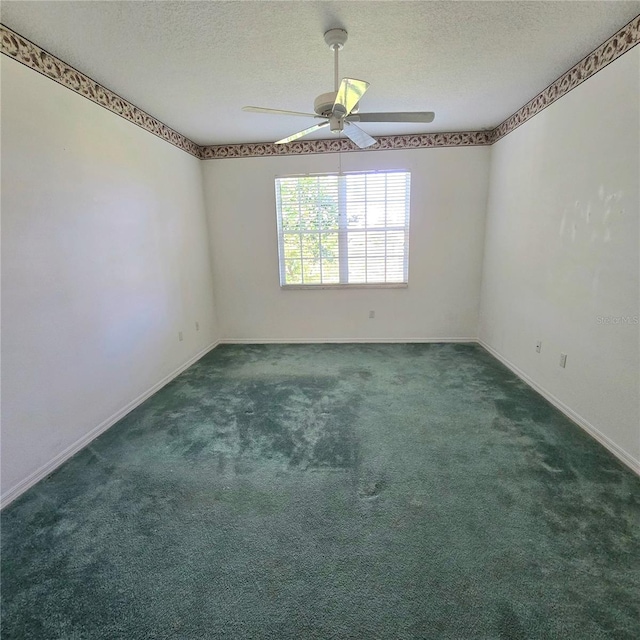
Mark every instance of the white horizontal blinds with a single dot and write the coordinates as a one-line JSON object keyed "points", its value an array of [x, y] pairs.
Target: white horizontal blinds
{"points": [[377, 211], [308, 220], [343, 229]]}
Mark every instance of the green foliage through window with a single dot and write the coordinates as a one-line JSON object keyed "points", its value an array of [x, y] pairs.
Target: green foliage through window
{"points": [[343, 228]]}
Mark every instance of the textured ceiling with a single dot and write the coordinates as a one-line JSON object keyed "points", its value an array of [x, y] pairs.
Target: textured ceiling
{"points": [[193, 65]]}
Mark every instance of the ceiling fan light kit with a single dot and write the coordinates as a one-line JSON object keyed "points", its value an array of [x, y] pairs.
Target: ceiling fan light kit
{"points": [[340, 108]]}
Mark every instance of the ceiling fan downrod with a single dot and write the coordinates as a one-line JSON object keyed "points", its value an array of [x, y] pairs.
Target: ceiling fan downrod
{"points": [[335, 39]]}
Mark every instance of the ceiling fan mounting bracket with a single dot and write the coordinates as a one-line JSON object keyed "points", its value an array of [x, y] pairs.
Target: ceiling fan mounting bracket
{"points": [[335, 38]]}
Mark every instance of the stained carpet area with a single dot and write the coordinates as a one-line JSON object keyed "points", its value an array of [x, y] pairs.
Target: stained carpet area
{"points": [[331, 491]]}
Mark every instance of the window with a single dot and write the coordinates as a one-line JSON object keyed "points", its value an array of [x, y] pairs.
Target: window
{"points": [[343, 229]]}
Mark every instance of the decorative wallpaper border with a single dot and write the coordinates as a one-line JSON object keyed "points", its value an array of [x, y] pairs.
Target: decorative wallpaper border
{"points": [[619, 43], [302, 147], [32, 56]]}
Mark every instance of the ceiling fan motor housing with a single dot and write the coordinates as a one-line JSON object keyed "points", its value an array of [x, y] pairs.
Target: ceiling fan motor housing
{"points": [[323, 104]]}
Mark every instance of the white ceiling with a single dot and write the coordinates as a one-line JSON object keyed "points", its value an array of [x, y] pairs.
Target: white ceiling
{"points": [[193, 65]]}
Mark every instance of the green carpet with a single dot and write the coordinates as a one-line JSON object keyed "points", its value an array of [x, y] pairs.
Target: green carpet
{"points": [[330, 492]]}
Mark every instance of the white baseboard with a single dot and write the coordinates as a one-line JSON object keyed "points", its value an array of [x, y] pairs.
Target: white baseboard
{"points": [[342, 340], [605, 441], [10, 495], [82, 442]]}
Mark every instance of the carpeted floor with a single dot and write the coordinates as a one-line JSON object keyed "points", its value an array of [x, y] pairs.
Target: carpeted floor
{"points": [[330, 492]]}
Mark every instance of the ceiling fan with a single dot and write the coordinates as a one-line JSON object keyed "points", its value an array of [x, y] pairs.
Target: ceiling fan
{"points": [[340, 108]]}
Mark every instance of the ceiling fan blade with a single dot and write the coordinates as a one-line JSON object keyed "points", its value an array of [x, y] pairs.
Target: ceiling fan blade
{"points": [[358, 136], [348, 96], [302, 133], [279, 112], [397, 116]]}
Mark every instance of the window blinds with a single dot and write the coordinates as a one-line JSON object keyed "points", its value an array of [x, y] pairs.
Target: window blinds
{"points": [[343, 229]]}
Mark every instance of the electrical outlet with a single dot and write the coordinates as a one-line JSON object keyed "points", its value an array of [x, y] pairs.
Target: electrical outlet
{"points": [[563, 360], [538, 346], [180, 336], [372, 314], [197, 326]]}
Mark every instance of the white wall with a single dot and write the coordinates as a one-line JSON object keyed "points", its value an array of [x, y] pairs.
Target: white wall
{"points": [[448, 199], [562, 251], [104, 260]]}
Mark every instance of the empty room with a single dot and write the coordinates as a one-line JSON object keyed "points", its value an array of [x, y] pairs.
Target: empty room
{"points": [[320, 320]]}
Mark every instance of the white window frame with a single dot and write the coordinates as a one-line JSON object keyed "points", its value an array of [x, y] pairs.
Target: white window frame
{"points": [[343, 231]]}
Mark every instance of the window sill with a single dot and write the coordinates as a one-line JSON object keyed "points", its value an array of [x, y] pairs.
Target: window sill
{"points": [[382, 285]]}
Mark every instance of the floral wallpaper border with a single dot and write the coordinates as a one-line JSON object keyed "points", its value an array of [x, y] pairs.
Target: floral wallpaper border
{"points": [[32, 56], [29, 54], [619, 43], [414, 141]]}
